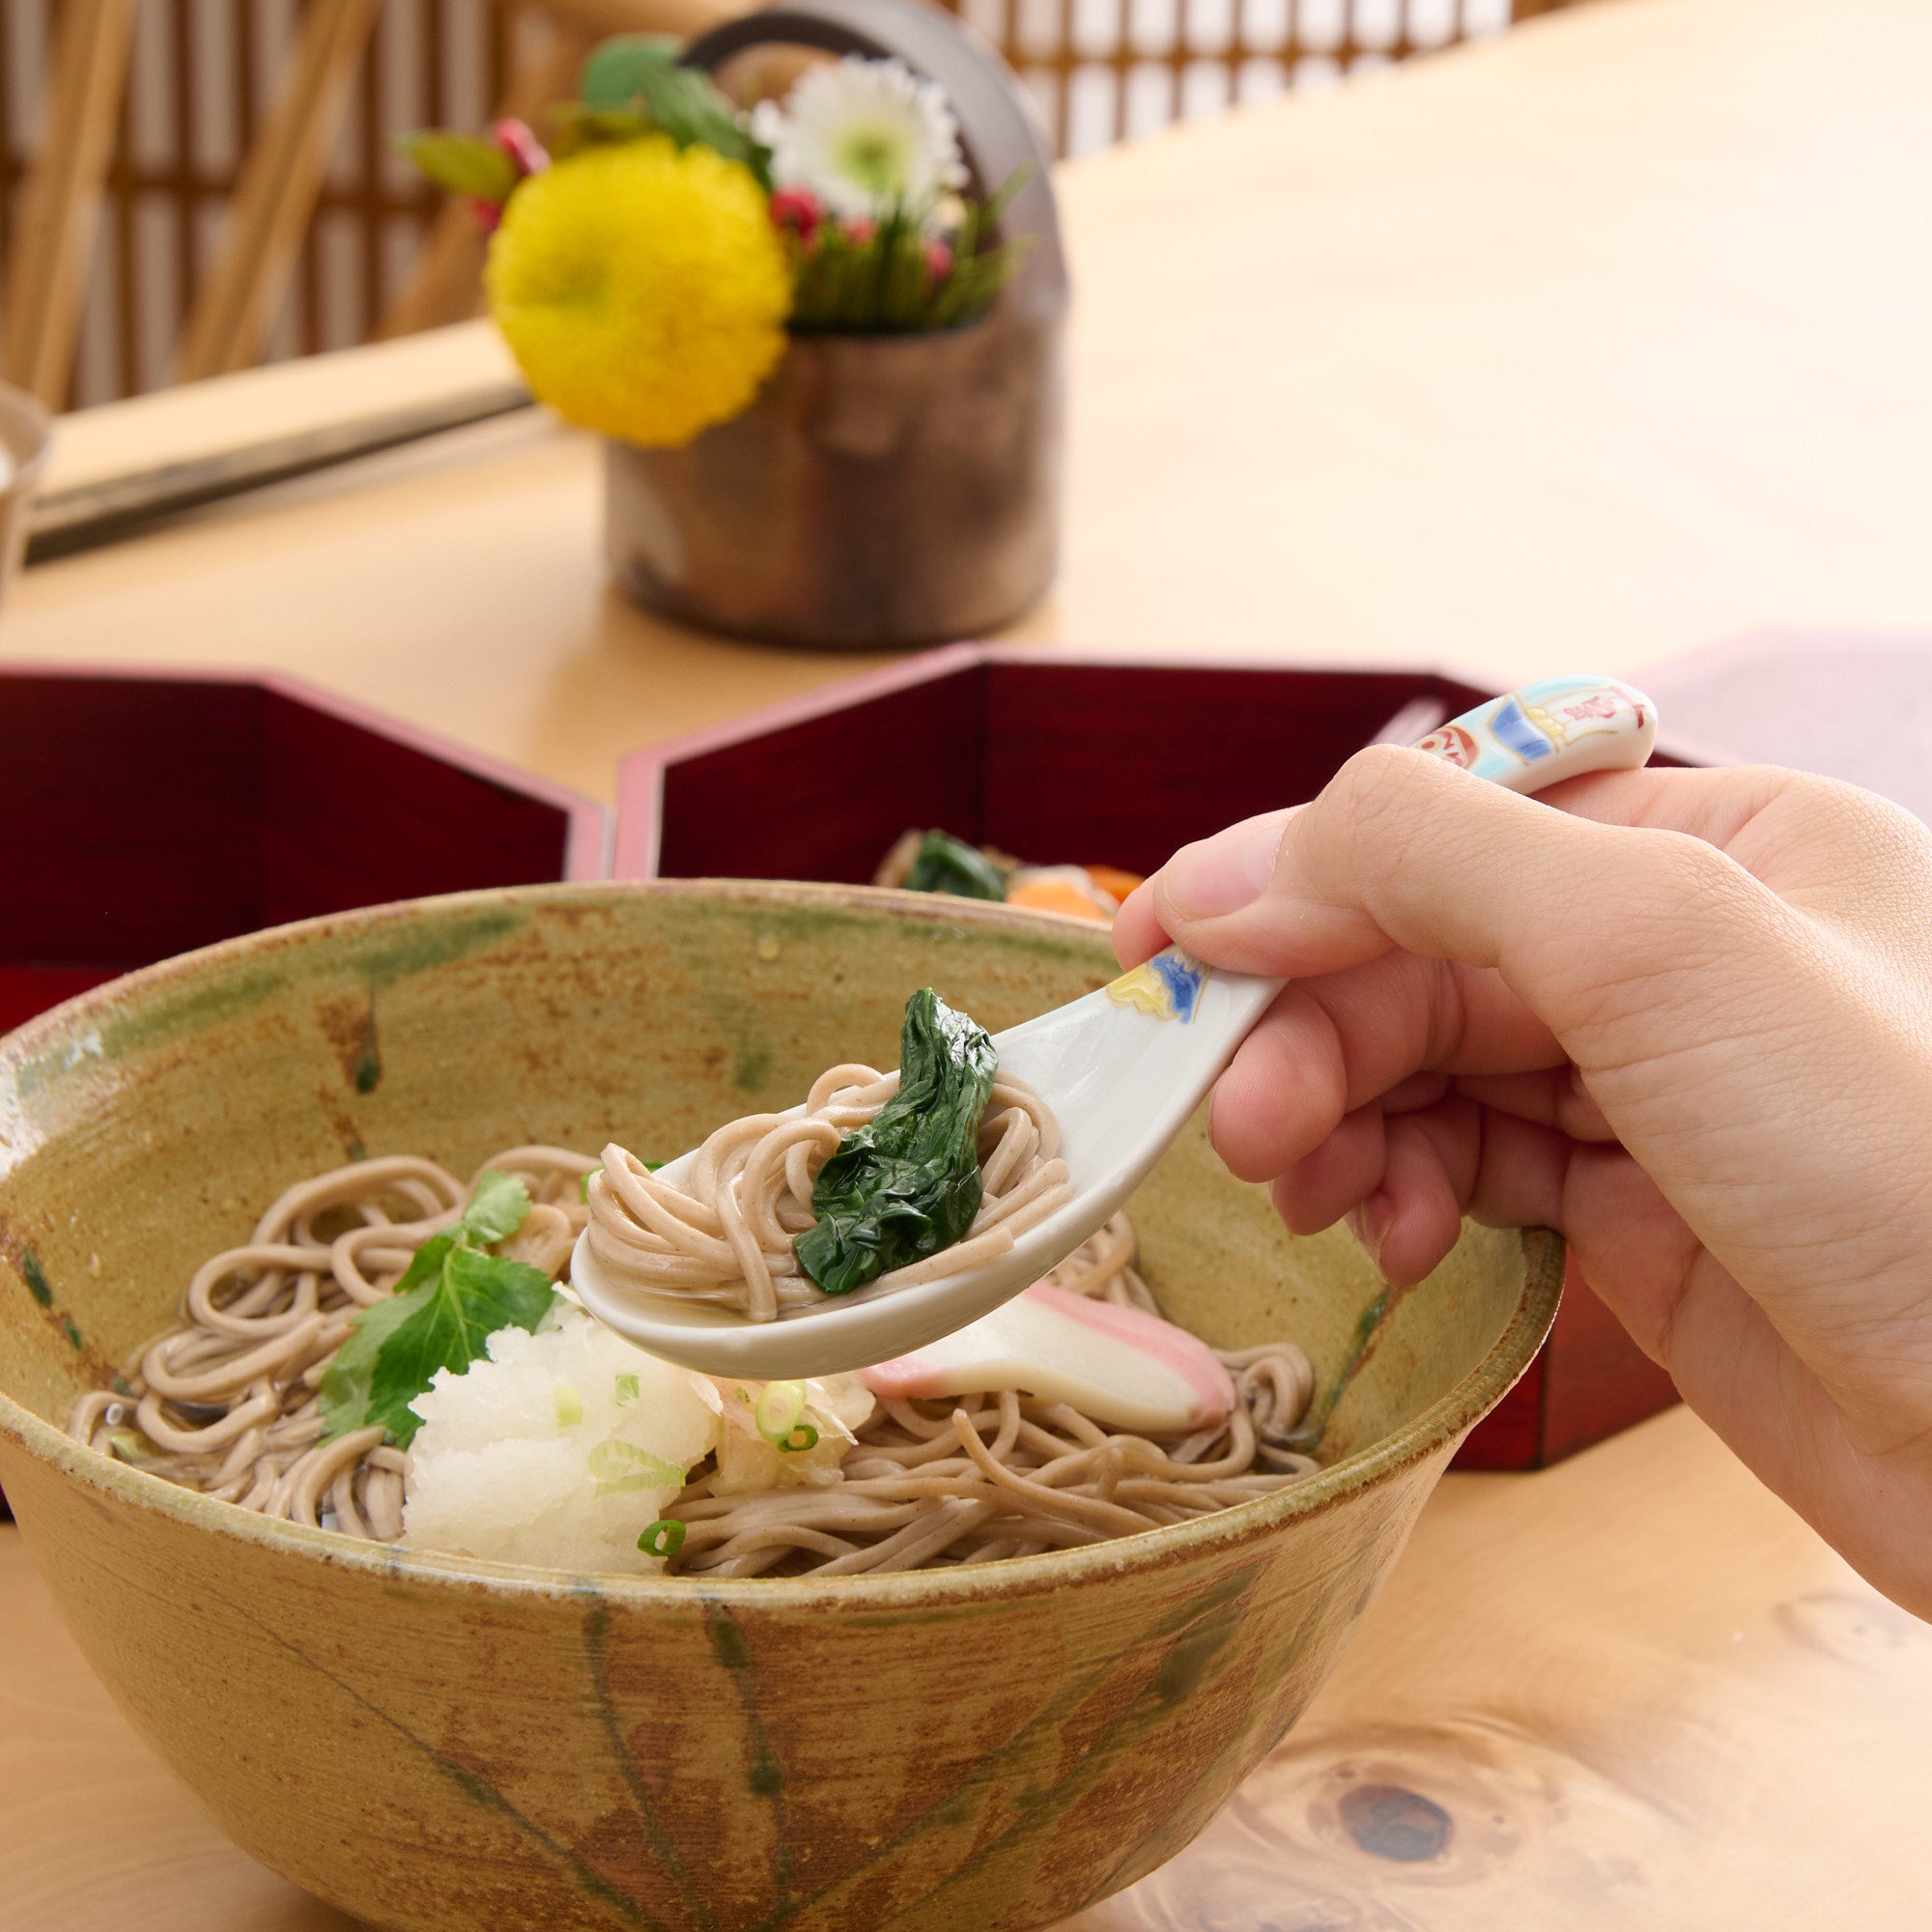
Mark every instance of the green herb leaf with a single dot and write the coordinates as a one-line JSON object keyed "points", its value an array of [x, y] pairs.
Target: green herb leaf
{"points": [[948, 865], [425, 1264], [907, 1183], [463, 164], [458, 1298], [639, 73], [496, 1209]]}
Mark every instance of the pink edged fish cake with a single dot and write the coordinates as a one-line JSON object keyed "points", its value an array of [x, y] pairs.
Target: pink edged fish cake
{"points": [[1122, 1367]]}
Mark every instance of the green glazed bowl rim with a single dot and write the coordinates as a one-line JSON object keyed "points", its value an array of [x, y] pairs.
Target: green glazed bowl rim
{"points": [[1424, 1435]]}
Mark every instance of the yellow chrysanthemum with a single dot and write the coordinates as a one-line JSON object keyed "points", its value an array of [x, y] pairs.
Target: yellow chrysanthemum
{"points": [[641, 288]]}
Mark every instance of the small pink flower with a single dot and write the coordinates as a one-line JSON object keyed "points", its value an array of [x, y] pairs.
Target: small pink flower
{"points": [[861, 231], [522, 147], [487, 213], [938, 260], [797, 210]]}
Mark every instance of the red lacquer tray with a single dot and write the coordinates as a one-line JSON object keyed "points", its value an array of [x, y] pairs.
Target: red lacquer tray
{"points": [[1061, 756], [145, 813]]}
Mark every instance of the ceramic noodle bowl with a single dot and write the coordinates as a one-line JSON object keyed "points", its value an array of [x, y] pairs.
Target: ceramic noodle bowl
{"points": [[434, 1744]]}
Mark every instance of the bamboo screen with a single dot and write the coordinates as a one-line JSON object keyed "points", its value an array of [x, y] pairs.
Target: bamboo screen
{"points": [[200, 79], [1104, 71], [204, 71]]}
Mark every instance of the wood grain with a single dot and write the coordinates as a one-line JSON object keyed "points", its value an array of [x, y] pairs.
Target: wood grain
{"points": [[1637, 1692]]}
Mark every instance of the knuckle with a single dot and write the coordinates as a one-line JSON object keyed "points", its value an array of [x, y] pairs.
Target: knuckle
{"points": [[1378, 796], [1379, 778]]}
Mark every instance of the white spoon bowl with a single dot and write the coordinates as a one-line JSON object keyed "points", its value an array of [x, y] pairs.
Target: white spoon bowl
{"points": [[1123, 1070]]}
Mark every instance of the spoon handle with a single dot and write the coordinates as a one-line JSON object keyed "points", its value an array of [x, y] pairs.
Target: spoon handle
{"points": [[1558, 729]]}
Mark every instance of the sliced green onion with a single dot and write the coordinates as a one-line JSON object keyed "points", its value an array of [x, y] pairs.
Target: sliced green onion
{"points": [[616, 1467], [664, 1538], [779, 1409], [627, 1391], [800, 1439], [583, 1188], [569, 1405]]}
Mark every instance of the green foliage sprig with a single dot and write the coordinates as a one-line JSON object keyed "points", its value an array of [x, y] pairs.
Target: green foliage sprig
{"points": [[909, 273], [898, 278], [635, 85]]}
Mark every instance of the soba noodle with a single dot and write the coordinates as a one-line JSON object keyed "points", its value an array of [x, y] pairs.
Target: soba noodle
{"points": [[726, 1236], [227, 1403], [982, 1477]]}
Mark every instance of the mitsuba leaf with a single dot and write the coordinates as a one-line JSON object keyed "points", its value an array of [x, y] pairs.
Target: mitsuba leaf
{"points": [[639, 73], [396, 1347], [907, 1183], [452, 1297], [496, 1209], [463, 164], [948, 865]]}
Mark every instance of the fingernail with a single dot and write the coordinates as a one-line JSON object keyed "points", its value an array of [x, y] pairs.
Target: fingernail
{"points": [[1223, 873], [1369, 1222]]}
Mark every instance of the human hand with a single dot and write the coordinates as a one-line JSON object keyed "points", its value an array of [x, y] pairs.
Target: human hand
{"points": [[1684, 1018]]}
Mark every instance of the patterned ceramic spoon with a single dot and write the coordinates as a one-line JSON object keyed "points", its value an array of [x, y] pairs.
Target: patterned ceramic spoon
{"points": [[1123, 1070]]}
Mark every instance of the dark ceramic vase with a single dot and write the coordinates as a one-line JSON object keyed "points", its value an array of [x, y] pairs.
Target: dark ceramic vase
{"points": [[882, 489]]}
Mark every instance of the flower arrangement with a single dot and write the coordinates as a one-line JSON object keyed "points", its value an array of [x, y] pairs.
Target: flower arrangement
{"points": [[654, 252]]}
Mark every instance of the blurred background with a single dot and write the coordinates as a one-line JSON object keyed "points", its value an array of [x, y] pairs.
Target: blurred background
{"points": [[251, 205]]}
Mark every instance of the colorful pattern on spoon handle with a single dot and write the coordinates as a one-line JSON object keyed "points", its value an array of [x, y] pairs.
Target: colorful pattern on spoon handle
{"points": [[1558, 729]]}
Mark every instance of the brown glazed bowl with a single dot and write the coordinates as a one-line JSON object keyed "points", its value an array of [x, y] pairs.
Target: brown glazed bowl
{"points": [[434, 1744]]}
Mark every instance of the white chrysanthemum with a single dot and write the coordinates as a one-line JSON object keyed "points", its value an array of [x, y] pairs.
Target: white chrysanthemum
{"points": [[863, 136]]}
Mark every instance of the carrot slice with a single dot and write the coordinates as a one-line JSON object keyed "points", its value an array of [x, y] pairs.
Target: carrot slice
{"points": [[1051, 894], [1110, 879]]}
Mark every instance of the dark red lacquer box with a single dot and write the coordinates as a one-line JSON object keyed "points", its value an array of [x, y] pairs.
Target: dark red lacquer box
{"points": [[142, 814], [1060, 756]]}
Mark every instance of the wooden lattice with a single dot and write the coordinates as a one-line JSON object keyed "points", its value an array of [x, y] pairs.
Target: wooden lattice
{"points": [[1103, 71]]}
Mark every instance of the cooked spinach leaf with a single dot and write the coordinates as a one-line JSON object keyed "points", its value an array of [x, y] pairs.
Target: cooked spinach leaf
{"points": [[948, 865], [906, 1184], [452, 1297]]}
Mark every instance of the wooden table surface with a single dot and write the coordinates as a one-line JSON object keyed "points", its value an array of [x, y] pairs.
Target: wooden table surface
{"points": [[1580, 347]]}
